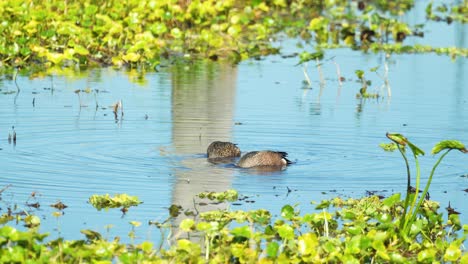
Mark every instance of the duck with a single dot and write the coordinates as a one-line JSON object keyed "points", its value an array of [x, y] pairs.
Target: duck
{"points": [[264, 158], [220, 150]]}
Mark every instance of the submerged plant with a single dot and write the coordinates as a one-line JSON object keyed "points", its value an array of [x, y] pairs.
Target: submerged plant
{"points": [[412, 206]]}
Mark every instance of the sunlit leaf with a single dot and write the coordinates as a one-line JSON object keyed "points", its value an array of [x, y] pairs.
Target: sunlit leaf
{"points": [[307, 243], [287, 212], [390, 147], [272, 249], [187, 225], [453, 252], [286, 231], [243, 231], [449, 144]]}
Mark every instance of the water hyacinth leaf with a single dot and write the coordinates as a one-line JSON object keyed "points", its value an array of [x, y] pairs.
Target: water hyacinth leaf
{"points": [[176, 33], [260, 216], [285, 231], [354, 245], [427, 255], [453, 252], [189, 247], [449, 144], [287, 212], [187, 225], [119, 200], [306, 56], [131, 57], [207, 226], [229, 195], [146, 246], [272, 249], [80, 50], [354, 230], [323, 204], [392, 200], [32, 221], [308, 243], [243, 231]]}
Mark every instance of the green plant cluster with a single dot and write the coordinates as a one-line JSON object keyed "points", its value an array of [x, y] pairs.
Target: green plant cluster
{"points": [[340, 231], [133, 31], [117, 201], [444, 12], [142, 33]]}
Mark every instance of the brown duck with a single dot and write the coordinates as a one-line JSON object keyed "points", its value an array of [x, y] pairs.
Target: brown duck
{"points": [[264, 158], [219, 149]]}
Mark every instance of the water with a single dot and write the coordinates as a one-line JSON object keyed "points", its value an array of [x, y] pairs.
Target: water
{"points": [[67, 153]]}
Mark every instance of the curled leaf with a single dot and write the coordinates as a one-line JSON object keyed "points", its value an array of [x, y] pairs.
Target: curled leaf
{"points": [[449, 144], [397, 138]]}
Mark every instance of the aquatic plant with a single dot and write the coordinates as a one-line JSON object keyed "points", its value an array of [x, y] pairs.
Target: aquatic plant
{"points": [[141, 34], [105, 201], [412, 210], [339, 230], [448, 13]]}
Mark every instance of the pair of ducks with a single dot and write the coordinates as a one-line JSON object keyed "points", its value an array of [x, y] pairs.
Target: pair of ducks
{"points": [[264, 158]]}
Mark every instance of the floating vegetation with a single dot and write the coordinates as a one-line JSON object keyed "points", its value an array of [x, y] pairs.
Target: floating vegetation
{"points": [[229, 195], [446, 13], [141, 34], [59, 205], [340, 230], [117, 201]]}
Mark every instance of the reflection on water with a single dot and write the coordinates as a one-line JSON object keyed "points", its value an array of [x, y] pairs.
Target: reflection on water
{"points": [[203, 103], [66, 153]]}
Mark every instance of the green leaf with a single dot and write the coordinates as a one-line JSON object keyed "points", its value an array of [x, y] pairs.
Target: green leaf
{"points": [[427, 255], [243, 231], [80, 50], [146, 246], [397, 138], [416, 151], [307, 244], [176, 33], [390, 147], [189, 247], [323, 204], [187, 225], [119, 200], [32, 221], [453, 252], [287, 212], [449, 144], [285, 231], [272, 249], [131, 57], [392, 200], [359, 74]]}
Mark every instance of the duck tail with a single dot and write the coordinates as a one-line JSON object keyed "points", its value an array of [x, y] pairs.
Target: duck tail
{"points": [[284, 156]]}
